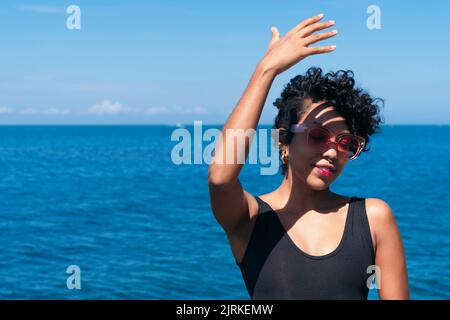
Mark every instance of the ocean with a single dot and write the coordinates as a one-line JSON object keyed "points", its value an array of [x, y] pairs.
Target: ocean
{"points": [[111, 201]]}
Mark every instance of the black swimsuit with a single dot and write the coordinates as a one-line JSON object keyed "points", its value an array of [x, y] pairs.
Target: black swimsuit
{"points": [[273, 267]]}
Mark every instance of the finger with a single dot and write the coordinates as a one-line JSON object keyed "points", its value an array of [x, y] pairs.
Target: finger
{"points": [[275, 36], [315, 27], [306, 23], [319, 37], [319, 50]]}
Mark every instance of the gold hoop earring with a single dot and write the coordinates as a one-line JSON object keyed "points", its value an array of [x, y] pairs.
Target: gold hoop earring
{"points": [[284, 157]]}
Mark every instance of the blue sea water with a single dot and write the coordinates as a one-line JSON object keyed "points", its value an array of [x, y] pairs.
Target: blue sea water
{"points": [[110, 200]]}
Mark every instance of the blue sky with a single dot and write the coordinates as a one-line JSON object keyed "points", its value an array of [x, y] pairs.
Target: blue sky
{"points": [[145, 62]]}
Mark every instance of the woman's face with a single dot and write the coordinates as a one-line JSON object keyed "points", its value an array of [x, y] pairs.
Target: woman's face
{"points": [[303, 158]]}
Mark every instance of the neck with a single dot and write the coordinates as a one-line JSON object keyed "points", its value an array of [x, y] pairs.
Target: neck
{"points": [[295, 195]]}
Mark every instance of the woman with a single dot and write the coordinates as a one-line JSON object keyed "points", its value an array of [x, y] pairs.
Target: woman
{"points": [[303, 241]]}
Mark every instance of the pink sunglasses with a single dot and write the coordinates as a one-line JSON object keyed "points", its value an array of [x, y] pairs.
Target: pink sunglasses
{"points": [[319, 138]]}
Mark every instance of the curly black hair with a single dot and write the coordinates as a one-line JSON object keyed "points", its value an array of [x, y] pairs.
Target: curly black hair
{"points": [[361, 111]]}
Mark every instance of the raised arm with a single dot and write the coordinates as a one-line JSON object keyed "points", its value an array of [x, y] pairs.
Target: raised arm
{"points": [[230, 204]]}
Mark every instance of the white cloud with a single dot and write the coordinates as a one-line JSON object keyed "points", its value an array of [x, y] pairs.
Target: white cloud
{"points": [[156, 110], [190, 110], [42, 9], [57, 111], [5, 110], [175, 110], [107, 107], [28, 111]]}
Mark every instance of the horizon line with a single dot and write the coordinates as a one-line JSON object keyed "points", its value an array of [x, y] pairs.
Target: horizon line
{"points": [[185, 124]]}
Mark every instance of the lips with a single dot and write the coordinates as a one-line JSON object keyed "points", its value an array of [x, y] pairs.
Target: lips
{"points": [[325, 170]]}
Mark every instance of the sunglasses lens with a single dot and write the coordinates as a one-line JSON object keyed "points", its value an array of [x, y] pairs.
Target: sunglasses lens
{"points": [[350, 145], [318, 137]]}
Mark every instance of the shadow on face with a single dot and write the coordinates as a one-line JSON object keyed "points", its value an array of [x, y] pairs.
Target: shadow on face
{"points": [[325, 114], [303, 158]]}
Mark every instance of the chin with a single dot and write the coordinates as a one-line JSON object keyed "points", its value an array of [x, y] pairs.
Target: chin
{"points": [[318, 185]]}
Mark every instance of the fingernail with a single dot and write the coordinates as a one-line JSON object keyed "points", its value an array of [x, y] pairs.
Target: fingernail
{"points": [[332, 47], [320, 15], [331, 22], [334, 31]]}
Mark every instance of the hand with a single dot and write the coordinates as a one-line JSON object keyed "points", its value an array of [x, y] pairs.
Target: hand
{"points": [[284, 52]]}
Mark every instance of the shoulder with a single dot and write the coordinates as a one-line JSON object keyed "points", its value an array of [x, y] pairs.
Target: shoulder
{"points": [[381, 217], [379, 211], [253, 205]]}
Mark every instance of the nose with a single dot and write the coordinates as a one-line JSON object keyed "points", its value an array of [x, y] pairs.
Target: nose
{"points": [[331, 151]]}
